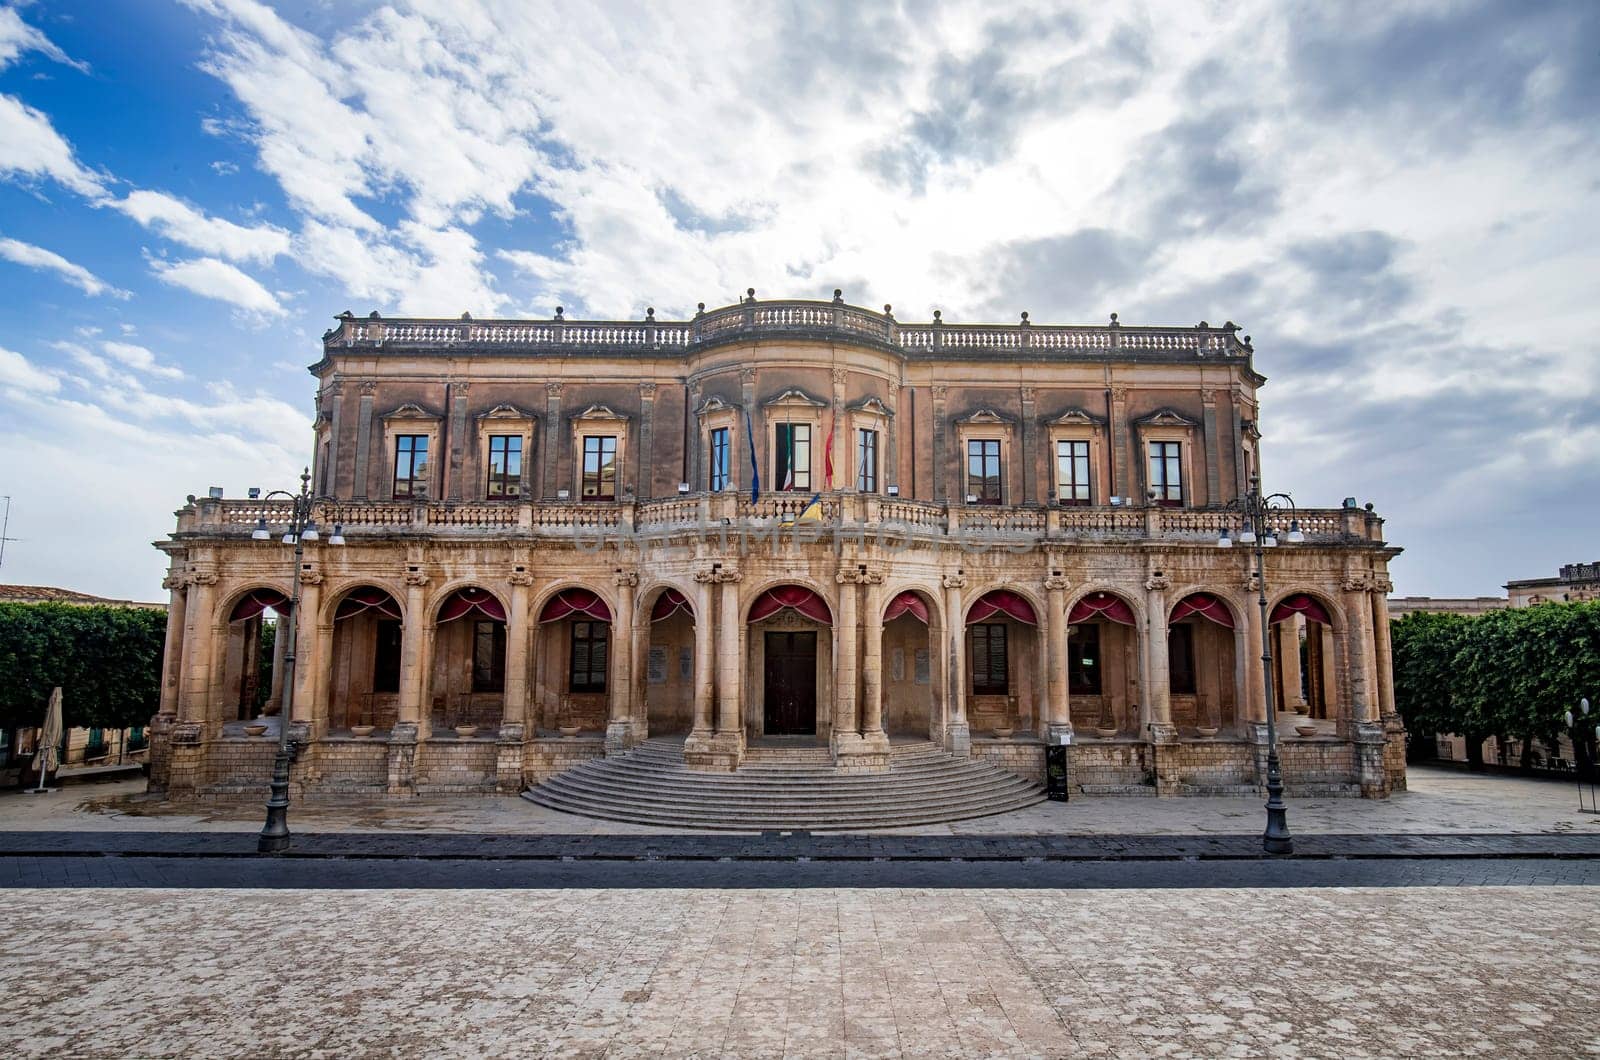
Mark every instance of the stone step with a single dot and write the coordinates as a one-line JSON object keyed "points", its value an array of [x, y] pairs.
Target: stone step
{"points": [[785, 788]]}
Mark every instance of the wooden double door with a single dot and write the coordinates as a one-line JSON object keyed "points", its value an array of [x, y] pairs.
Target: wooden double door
{"points": [[790, 700]]}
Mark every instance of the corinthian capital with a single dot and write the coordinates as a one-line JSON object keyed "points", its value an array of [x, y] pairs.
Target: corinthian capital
{"points": [[955, 581], [626, 578], [1056, 581]]}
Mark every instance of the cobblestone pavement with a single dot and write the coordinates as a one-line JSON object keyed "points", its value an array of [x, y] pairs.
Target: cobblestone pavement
{"points": [[784, 972], [1439, 801]]}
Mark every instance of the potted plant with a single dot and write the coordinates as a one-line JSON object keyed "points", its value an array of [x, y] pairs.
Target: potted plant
{"points": [[256, 728]]}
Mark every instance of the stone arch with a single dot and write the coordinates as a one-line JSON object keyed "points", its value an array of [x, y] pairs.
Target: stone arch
{"points": [[663, 702], [466, 662], [555, 703], [437, 598], [795, 634], [1208, 666], [236, 656], [227, 603], [361, 665], [549, 592], [1329, 601], [1018, 702], [910, 708], [1120, 707], [748, 597], [1323, 673], [333, 597]]}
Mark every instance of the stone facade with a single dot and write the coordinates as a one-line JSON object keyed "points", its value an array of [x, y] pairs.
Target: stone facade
{"points": [[989, 537]]}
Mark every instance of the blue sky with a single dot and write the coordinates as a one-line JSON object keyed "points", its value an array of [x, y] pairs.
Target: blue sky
{"points": [[1399, 203]]}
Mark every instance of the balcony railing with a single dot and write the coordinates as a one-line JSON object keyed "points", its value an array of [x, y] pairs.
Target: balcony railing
{"points": [[716, 514], [803, 319]]}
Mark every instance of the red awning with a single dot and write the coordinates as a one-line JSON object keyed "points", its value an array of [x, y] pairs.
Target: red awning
{"points": [[1206, 606], [1002, 602], [365, 599], [798, 597], [1110, 607], [471, 601], [1301, 604], [579, 602], [669, 603], [257, 601], [907, 603]]}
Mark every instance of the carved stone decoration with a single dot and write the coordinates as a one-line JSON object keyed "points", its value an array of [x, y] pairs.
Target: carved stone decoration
{"points": [[1157, 581], [1030, 394], [647, 391], [202, 576], [369, 388], [1056, 581], [311, 577], [939, 392], [705, 575], [416, 577], [747, 376], [554, 389], [841, 376], [520, 577], [175, 580], [1119, 395], [728, 574], [626, 578], [954, 581]]}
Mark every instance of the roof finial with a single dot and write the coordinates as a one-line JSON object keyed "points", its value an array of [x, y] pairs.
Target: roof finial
{"points": [[888, 310], [838, 296], [559, 312], [650, 314], [750, 294], [938, 317], [1114, 321], [1024, 316]]}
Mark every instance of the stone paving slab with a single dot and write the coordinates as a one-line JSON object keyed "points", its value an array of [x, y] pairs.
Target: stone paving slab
{"points": [[795, 846], [1350, 973]]}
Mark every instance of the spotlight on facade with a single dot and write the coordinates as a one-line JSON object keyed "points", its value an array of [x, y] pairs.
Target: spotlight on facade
{"points": [[1295, 536], [254, 493], [215, 492], [893, 491], [683, 487], [260, 533], [337, 537]]}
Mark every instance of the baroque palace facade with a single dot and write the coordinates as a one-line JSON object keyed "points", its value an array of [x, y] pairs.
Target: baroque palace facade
{"points": [[803, 520]]}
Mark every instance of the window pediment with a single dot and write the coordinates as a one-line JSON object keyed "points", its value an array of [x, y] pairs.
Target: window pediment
{"points": [[506, 413], [597, 412], [985, 417], [794, 397], [714, 404], [1076, 417], [871, 407], [1166, 418], [410, 411]]}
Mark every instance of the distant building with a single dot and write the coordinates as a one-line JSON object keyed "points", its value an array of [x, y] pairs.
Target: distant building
{"points": [[1401, 606], [1577, 583], [49, 594]]}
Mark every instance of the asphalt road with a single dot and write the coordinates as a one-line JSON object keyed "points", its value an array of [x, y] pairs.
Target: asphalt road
{"points": [[414, 873]]}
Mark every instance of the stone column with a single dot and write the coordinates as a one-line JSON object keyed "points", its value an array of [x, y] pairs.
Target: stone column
{"points": [[411, 646], [515, 715], [1255, 696], [309, 658], [172, 648], [1159, 682], [958, 735], [1059, 716], [550, 443], [872, 662], [704, 656], [845, 722], [196, 684], [647, 420], [1357, 638], [730, 690], [362, 487], [620, 702], [280, 647], [1383, 652], [1294, 689]]}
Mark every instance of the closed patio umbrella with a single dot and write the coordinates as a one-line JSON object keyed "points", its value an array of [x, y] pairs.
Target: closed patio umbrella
{"points": [[46, 756]]}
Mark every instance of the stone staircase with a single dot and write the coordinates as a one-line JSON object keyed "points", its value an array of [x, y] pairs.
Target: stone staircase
{"points": [[784, 789]]}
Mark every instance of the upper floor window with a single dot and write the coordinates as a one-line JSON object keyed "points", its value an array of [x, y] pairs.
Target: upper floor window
{"points": [[505, 465], [867, 461], [1072, 472], [1083, 660], [488, 656], [793, 458], [599, 467], [410, 466], [983, 470], [721, 460], [1166, 473], [586, 669], [990, 672]]}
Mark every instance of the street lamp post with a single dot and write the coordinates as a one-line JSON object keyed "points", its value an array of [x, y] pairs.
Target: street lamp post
{"points": [[1258, 530], [274, 836], [1574, 724]]}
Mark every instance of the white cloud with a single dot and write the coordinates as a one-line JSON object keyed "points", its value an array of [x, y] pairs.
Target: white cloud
{"points": [[31, 148], [16, 37], [182, 223], [140, 360], [211, 278], [33, 257], [16, 371]]}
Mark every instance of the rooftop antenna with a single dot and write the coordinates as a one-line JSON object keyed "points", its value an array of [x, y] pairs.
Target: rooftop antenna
{"points": [[5, 525]]}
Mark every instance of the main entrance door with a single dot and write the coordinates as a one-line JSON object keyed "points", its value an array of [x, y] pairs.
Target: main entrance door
{"points": [[791, 686]]}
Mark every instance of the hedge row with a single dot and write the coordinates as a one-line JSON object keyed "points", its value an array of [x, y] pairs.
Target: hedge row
{"points": [[107, 661]]}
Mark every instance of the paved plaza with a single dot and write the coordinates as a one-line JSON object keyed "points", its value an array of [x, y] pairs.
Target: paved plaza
{"points": [[1440, 801], [816, 972]]}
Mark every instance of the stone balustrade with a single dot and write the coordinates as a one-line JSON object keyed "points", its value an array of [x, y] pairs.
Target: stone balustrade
{"points": [[689, 512], [833, 321]]}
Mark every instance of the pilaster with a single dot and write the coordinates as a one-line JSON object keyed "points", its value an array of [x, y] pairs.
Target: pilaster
{"points": [[550, 444], [361, 488], [645, 475], [958, 734]]}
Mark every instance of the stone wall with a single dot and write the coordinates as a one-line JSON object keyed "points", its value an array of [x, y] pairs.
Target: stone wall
{"points": [[1111, 767], [1024, 758], [456, 766], [543, 759]]}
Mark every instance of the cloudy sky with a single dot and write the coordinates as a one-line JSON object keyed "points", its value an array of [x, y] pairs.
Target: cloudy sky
{"points": [[1401, 203]]}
